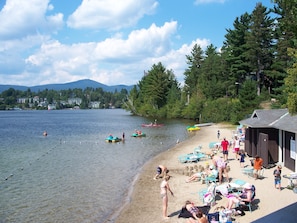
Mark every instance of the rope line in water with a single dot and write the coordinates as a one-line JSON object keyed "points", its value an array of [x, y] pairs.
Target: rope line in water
{"points": [[43, 155], [30, 162]]}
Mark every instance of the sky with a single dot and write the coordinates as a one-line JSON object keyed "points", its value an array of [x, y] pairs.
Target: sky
{"points": [[109, 41]]}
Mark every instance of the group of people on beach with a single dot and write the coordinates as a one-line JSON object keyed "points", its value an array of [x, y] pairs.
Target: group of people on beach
{"points": [[218, 166]]}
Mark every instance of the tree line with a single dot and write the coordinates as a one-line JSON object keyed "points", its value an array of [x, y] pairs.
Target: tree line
{"points": [[257, 63], [9, 98]]}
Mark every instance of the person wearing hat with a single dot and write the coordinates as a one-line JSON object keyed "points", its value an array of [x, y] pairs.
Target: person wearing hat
{"points": [[245, 197]]}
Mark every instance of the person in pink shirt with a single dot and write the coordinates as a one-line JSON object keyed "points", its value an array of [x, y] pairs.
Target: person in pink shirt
{"points": [[225, 145]]}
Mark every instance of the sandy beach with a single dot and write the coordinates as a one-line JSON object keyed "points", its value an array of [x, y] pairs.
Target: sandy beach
{"points": [[145, 204]]}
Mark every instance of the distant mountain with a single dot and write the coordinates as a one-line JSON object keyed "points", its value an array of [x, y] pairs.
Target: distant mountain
{"points": [[81, 84]]}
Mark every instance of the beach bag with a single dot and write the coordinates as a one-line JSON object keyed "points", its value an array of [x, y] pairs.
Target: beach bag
{"points": [[208, 198], [225, 215]]}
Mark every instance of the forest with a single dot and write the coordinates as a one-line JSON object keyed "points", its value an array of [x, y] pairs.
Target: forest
{"points": [[255, 68]]}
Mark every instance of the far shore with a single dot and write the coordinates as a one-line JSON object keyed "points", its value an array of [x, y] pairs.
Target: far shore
{"points": [[145, 204]]}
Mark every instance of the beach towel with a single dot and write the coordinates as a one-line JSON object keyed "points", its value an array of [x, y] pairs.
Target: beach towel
{"points": [[184, 213]]}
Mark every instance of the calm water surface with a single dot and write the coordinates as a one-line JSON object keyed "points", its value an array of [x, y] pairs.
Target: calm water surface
{"points": [[73, 175]]}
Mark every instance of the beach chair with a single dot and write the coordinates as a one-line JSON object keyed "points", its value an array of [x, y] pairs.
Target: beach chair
{"points": [[211, 179], [182, 158], [212, 145], [209, 197], [236, 185], [248, 171], [248, 204], [189, 158], [197, 150]]}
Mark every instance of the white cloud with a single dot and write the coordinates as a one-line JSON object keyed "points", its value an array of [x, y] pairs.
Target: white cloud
{"points": [[115, 60], [110, 14], [30, 56], [20, 19]]}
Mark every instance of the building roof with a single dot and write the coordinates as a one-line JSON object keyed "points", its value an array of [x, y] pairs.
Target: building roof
{"points": [[274, 118]]}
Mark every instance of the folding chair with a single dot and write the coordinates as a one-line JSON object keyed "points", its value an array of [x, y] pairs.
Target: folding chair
{"points": [[248, 204], [208, 196]]}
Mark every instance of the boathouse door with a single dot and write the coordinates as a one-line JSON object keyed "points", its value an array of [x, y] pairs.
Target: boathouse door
{"points": [[262, 148]]}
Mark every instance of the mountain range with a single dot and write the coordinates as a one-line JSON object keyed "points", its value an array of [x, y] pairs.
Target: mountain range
{"points": [[81, 84]]}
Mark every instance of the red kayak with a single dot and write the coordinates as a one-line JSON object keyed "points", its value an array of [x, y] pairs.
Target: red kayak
{"points": [[152, 125]]}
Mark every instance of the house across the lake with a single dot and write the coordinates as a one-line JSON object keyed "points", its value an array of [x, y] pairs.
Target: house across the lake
{"points": [[271, 134]]}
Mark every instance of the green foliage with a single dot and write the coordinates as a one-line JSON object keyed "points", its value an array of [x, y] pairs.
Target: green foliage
{"points": [[157, 91], [216, 110], [291, 85], [106, 99]]}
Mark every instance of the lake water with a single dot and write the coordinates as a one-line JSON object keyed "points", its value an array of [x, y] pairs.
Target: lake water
{"points": [[73, 175]]}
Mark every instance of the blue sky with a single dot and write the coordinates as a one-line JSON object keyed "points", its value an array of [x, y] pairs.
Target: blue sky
{"points": [[109, 41]]}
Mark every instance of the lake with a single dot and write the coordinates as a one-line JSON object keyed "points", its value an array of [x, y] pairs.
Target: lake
{"points": [[72, 174]]}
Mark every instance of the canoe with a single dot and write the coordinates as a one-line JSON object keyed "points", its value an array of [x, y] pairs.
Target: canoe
{"points": [[138, 135], [152, 125]]}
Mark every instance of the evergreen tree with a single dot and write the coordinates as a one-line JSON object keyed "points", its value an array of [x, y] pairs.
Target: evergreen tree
{"points": [[211, 80], [234, 51], [259, 45], [195, 61], [157, 89], [285, 34]]}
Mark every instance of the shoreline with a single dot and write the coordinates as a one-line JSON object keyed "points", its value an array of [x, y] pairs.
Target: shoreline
{"points": [[145, 204], [130, 192]]}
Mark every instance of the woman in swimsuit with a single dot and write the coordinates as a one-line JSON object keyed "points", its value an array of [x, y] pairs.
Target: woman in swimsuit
{"points": [[198, 216], [245, 196], [221, 166], [164, 186]]}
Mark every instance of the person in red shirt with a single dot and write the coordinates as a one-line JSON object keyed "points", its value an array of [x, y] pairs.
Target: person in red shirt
{"points": [[225, 145]]}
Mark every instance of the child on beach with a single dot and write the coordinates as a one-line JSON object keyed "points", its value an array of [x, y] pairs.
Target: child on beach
{"points": [[277, 177], [242, 156]]}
